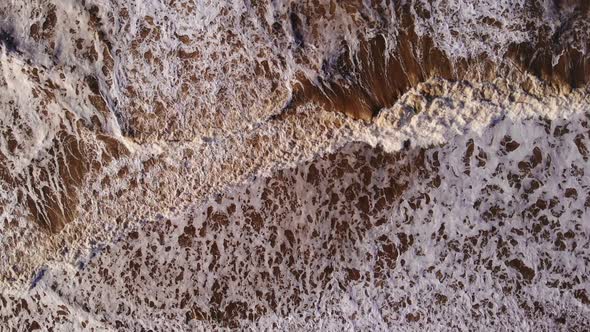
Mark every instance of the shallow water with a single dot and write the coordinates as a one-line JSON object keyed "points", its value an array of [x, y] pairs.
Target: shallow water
{"points": [[294, 165]]}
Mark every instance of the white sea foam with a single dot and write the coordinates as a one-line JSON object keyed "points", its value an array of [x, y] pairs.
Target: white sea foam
{"points": [[217, 138]]}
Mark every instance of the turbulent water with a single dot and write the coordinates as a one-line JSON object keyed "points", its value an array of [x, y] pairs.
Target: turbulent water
{"points": [[294, 165]]}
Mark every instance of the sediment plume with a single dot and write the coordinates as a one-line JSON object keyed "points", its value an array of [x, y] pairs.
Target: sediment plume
{"points": [[294, 164]]}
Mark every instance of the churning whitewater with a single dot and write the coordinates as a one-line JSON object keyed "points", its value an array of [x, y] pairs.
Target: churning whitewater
{"points": [[294, 165]]}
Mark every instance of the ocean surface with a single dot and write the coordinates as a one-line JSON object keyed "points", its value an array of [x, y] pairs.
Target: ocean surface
{"points": [[188, 165]]}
